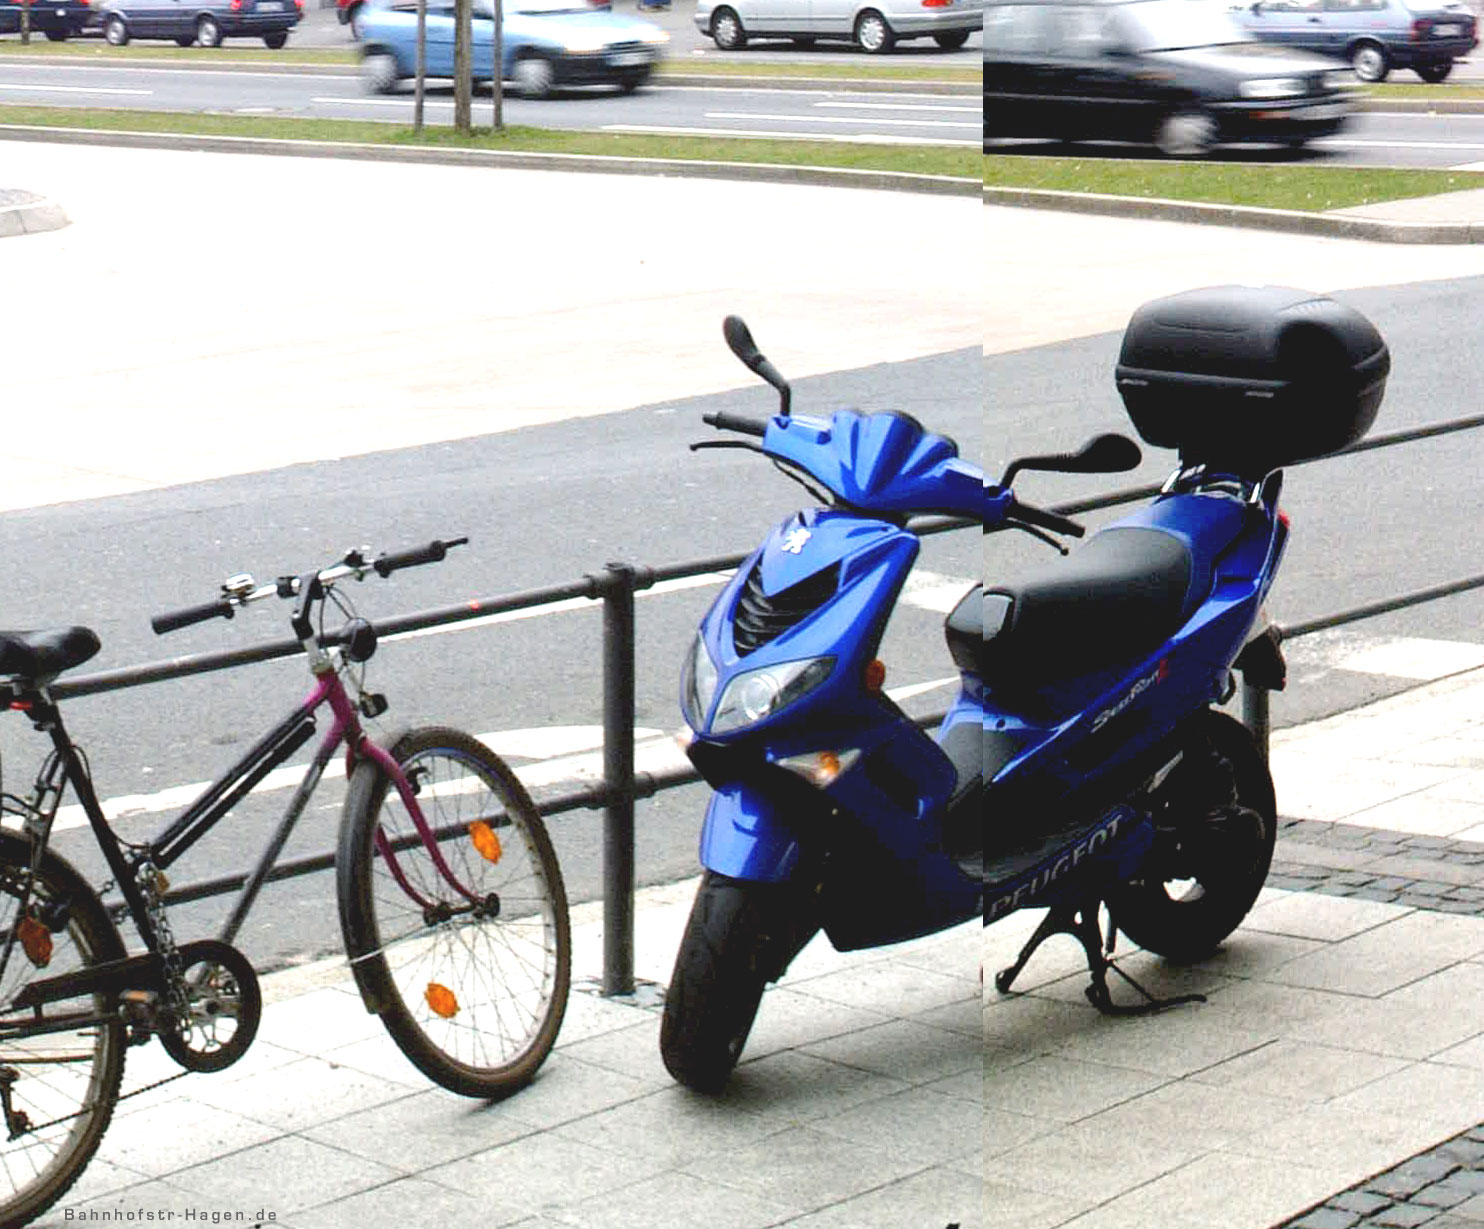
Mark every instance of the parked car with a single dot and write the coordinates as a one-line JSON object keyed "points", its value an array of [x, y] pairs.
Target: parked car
{"points": [[206, 22], [1180, 74], [1375, 36], [546, 44], [874, 25], [57, 19], [349, 12]]}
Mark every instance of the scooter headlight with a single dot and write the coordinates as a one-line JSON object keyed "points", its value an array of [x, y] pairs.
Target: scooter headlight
{"points": [[697, 684], [757, 694]]}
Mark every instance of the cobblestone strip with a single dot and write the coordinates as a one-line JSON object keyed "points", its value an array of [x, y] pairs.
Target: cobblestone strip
{"points": [[1425, 872], [1442, 1188]]}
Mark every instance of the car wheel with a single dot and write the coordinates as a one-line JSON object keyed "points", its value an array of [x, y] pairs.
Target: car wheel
{"points": [[1433, 73], [726, 30], [632, 80], [533, 77], [275, 40], [208, 32], [379, 72], [55, 36], [872, 33], [115, 31], [185, 40], [951, 42], [1370, 63], [1186, 134]]}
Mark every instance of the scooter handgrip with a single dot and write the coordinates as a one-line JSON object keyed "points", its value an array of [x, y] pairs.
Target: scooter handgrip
{"points": [[1045, 520], [723, 421], [415, 557], [173, 620]]}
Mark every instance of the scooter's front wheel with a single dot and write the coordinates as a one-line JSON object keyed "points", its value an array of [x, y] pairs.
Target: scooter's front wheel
{"points": [[1217, 823], [740, 936]]}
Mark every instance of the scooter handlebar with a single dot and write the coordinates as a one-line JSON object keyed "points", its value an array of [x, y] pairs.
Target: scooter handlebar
{"points": [[1044, 520], [742, 423]]}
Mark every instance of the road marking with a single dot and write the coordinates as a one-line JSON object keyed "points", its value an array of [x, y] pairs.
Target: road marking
{"points": [[931, 591], [1407, 657], [865, 138], [897, 106], [70, 89], [1347, 143], [842, 119]]}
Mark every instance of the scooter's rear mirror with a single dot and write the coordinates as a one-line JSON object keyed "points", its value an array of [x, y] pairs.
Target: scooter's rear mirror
{"points": [[1103, 454], [739, 338]]}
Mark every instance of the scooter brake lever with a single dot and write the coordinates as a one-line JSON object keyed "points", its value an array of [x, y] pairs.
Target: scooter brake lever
{"points": [[743, 444], [1044, 537]]}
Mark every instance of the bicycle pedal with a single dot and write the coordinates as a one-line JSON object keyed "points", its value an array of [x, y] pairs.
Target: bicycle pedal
{"points": [[372, 704]]}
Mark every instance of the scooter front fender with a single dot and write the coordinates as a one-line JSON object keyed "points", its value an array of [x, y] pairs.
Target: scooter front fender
{"points": [[744, 836]]}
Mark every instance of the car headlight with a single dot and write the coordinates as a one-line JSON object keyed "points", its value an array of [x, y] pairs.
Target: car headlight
{"points": [[757, 694], [697, 684], [1272, 87], [1339, 79]]}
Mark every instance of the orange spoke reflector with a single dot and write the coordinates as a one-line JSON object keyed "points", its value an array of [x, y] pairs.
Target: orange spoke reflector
{"points": [[485, 841], [36, 940], [441, 999]]}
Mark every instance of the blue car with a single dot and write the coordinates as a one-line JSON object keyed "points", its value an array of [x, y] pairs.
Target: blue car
{"points": [[547, 44], [57, 19]]}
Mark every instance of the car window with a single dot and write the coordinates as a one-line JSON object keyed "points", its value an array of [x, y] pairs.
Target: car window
{"points": [[1169, 25], [1354, 6], [1080, 30], [1292, 6], [1017, 29]]}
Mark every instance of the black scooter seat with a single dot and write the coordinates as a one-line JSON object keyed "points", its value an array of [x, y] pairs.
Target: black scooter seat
{"points": [[1107, 604], [36, 656]]}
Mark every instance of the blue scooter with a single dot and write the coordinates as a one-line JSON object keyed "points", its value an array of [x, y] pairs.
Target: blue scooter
{"points": [[1082, 767]]}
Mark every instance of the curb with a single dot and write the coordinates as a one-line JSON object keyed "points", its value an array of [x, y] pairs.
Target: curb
{"points": [[719, 81], [25, 213], [1333, 225], [833, 177], [1423, 106]]}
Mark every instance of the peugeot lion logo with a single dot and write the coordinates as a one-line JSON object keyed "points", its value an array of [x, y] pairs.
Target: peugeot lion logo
{"points": [[794, 542]]}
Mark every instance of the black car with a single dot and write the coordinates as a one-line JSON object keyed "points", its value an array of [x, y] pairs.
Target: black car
{"points": [[1179, 74], [206, 22], [57, 19]]}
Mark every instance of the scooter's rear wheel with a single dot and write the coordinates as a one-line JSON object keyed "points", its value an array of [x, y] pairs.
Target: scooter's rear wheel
{"points": [[1217, 823], [740, 936]]}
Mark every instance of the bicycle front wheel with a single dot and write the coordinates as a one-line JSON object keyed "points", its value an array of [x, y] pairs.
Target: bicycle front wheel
{"points": [[60, 1062], [467, 963]]}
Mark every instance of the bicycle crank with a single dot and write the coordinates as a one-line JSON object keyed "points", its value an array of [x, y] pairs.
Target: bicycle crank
{"points": [[223, 1006]]}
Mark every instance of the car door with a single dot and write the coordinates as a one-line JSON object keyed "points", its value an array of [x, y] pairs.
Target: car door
{"points": [[1293, 23], [440, 39], [1016, 72]]}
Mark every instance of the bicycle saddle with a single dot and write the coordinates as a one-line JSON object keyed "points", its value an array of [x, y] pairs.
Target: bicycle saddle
{"points": [[36, 656]]}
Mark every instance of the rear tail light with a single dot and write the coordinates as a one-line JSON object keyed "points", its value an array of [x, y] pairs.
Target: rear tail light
{"points": [[936, 4], [1421, 28], [236, 6]]}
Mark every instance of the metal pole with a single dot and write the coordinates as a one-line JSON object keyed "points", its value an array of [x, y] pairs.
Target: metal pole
{"points": [[1255, 715], [419, 87], [618, 585]]}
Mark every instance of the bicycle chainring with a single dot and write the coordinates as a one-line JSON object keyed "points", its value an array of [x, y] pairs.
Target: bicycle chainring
{"points": [[223, 1008]]}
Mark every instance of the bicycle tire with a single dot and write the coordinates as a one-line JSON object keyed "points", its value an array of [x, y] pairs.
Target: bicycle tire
{"points": [[69, 1101], [506, 976]]}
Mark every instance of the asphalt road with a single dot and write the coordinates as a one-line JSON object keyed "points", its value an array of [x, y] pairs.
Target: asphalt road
{"points": [[917, 117], [543, 506]]}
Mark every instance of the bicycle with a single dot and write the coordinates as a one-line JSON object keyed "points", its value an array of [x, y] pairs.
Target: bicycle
{"points": [[452, 907]]}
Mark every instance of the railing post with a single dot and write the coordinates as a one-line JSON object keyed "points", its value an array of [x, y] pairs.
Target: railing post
{"points": [[618, 585], [1255, 715]]}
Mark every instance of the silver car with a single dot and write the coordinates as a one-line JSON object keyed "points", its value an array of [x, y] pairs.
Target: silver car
{"points": [[875, 25]]}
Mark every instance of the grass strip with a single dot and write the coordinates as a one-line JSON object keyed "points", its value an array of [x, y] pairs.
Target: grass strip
{"points": [[1425, 93], [1308, 188], [90, 49], [906, 159]]}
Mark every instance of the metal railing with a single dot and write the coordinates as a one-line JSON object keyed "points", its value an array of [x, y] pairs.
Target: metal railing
{"points": [[621, 786]]}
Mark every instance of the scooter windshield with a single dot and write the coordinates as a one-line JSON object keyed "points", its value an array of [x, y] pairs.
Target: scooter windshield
{"points": [[881, 462]]}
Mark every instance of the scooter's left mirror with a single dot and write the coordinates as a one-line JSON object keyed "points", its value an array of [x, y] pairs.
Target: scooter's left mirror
{"points": [[1103, 454]]}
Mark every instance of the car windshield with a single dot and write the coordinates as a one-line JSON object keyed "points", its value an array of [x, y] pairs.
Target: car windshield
{"points": [[1170, 25], [485, 8]]}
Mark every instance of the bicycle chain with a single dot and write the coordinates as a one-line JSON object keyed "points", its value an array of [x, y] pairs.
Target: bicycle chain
{"points": [[150, 881], [169, 1079]]}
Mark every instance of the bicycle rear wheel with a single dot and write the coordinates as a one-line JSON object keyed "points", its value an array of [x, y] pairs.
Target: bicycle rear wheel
{"points": [[63, 1062], [473, 991]]}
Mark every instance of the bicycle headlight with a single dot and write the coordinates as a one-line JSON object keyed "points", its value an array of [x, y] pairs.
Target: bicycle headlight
{"points": [[697, 684], [757, 694]]}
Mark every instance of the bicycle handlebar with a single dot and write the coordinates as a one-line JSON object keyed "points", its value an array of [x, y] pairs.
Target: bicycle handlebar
{"points": [[173, 620], [722, 420], [240, 590], [433, 552]]}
